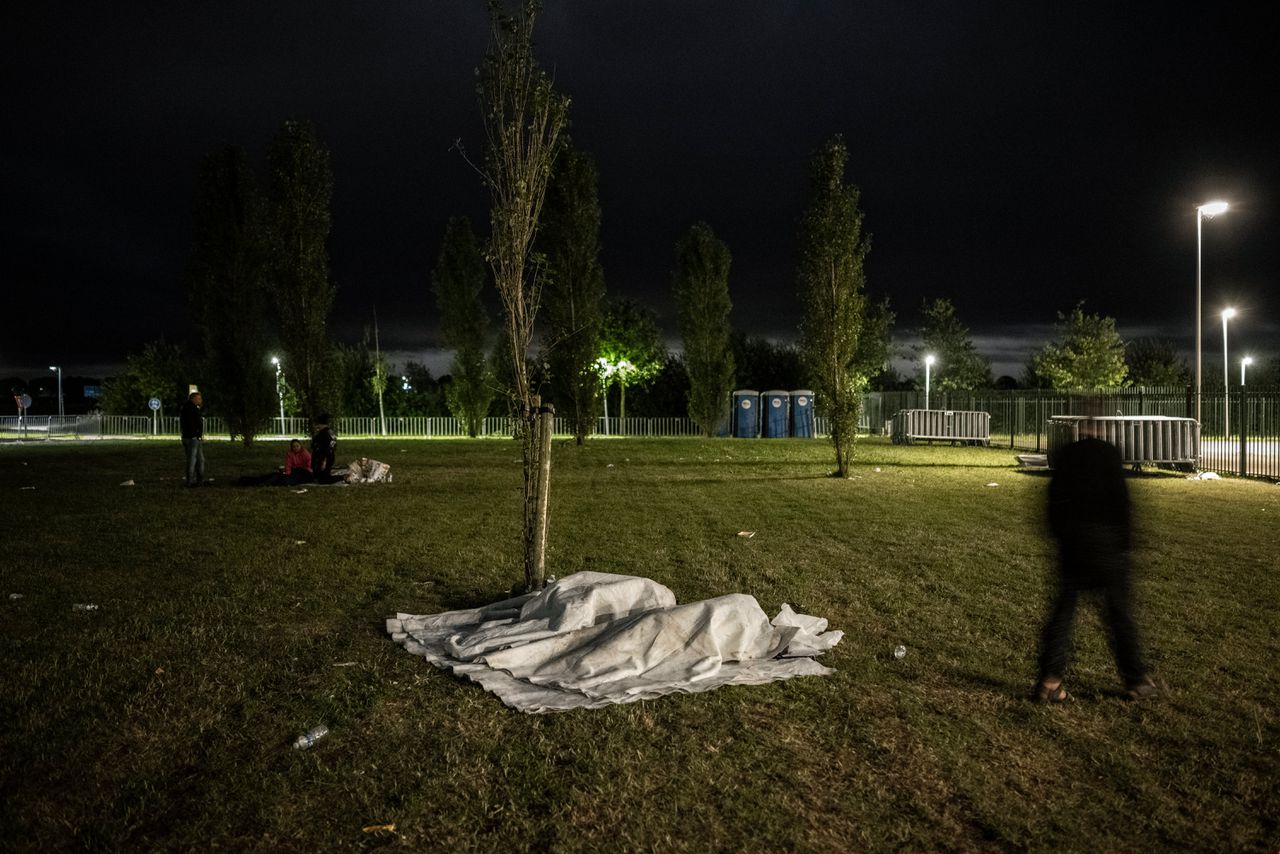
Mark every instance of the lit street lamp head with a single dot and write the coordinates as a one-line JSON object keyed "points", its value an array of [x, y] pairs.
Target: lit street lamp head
{"points": [[1212, 209], [1228, 313], [930, 359]]}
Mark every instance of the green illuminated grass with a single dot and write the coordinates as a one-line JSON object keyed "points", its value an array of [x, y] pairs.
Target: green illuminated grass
{"points": [[162, 720]]}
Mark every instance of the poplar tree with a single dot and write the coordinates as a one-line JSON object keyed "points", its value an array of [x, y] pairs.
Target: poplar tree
{"points": [[300, 197], [570, 240], [459, 279], [228, 288], [832, 285], [702, 297]]}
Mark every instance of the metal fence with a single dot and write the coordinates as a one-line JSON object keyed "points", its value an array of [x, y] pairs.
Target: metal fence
{"points": [[1018, 421]]}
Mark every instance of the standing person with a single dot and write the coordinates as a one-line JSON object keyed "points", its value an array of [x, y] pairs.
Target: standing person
{"points": [[1089, 516], [324, 447], [192, 422]]}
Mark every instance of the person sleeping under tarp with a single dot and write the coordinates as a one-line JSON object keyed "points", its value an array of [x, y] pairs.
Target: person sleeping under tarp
{"points": [[593, 639]]}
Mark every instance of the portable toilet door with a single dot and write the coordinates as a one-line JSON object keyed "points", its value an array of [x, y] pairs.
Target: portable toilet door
{"points": [[802, 414], [746, 414], [776, 415]]}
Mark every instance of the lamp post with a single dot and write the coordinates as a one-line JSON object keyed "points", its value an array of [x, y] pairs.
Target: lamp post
{"points": [[1227, 314], [1208, 210], [58, 369], [1244, 363], [928, 365], [275, 360]]}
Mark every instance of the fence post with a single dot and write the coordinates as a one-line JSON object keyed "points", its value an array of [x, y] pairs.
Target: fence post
{"points": [[1244, 430]]}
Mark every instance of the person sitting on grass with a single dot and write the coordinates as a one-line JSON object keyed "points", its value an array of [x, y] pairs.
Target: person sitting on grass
{"points": [[297, 464]]}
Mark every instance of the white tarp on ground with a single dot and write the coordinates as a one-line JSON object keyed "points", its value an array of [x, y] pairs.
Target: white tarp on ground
{"points": [[594, 639]]}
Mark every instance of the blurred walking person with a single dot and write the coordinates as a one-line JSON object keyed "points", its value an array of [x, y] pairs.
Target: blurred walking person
{"points": [[1089, 516]]}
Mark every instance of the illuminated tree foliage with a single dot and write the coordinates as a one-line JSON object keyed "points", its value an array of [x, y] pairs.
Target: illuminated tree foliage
{"points": [[300, 192], [702, 295], [631, 348], [227, 279], [1087, 353], [570, 240], [832, 285], [459, 279], [960, 366]]}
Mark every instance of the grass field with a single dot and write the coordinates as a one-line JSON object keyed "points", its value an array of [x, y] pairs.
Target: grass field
{"points": [[229, 620]]}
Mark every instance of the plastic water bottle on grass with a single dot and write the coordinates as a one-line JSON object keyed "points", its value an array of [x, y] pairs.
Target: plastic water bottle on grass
{"points": [[899, 652], [310, 737]]}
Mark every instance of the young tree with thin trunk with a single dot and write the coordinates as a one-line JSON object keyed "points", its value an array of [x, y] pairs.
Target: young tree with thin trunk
{"points": [[524, 121], [832, 286], [300, 197], [229, 292], [702, 295], [459, 279], [570, 240]]}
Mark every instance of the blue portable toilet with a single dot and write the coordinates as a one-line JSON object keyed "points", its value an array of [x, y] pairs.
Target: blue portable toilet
{"points": [[746, 414], [802, 414], [777, 414]]}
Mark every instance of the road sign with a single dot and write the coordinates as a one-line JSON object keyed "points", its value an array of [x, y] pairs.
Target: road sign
{"points": [[154, 403], [26, 401]]}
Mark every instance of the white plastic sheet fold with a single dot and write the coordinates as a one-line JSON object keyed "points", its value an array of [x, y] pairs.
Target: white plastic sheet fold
{"points": [[595, 639]]}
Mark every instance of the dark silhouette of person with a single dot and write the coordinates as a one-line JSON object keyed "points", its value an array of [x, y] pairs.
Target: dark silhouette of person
{"points": [[324, 446], [191, 420], [1089, 516]]}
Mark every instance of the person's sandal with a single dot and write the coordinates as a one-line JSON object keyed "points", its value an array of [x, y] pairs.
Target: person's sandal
{"points": [[1050, 696], [1147, 689]]}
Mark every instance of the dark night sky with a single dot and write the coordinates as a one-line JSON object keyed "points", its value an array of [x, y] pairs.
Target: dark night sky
{"points": [[1014, 157]]}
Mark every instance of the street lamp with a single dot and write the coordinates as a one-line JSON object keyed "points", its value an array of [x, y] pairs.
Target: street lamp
{"points": [[1244, 363], [1209, 211], [1227, 314], [279, 390], [58, 368], [928, 364]]}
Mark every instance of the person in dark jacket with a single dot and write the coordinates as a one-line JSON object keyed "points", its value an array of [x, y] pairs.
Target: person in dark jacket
{"points": [[324, 447], [191, 421], [1089, 516]]}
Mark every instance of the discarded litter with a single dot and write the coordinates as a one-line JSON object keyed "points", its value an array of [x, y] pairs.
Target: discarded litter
{"points": [[344, 664], [23, 488], [1204, 475], [877, 468], [379, 828], [298, 491], [993, 483], [299, 542], [84, 606], [899, 652], [746, 535], [15, 595], [129, 483], [310, 737]]}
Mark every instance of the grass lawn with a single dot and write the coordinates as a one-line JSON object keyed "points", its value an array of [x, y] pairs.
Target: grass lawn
{"points": [[230, 620]]}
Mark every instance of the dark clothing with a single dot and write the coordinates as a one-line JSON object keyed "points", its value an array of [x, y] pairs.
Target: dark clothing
{"points": [[1090, 518], [324, 446], [192, 421]]}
